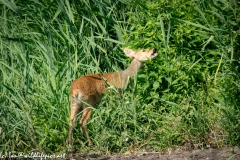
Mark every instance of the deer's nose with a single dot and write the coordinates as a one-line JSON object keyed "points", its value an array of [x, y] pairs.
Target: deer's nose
{"points": [[154, 50]]}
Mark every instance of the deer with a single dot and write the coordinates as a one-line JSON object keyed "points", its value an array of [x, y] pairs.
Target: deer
{"points": [[89, 89]]}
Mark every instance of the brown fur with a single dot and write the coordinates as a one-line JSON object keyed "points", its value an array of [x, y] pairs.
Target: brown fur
{"points": [[89, 89]]}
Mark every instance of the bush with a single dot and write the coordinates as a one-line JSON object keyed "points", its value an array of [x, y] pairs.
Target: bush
{"points": [[188, 95]]}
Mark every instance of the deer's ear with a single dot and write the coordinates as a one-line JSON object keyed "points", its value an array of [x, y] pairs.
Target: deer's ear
{"points": [[129, 52]]}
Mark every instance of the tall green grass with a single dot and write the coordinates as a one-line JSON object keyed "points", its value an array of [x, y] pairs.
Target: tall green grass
{"points": [[188, 95]]}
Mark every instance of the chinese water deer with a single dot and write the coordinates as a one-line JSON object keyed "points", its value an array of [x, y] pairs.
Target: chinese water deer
{"points": [[89, 89]]}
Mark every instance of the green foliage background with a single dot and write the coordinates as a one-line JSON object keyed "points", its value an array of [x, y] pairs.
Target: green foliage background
{"points": [[190, 94]]}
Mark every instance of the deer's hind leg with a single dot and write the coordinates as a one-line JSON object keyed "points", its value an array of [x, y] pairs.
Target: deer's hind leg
{"points": [[76, 107], [91, 101], [85, 116]]}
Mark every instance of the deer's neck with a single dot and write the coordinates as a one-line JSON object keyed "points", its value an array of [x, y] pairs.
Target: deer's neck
{"points": [[132, 69]]}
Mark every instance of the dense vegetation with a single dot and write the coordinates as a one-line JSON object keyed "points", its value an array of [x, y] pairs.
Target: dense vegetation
{"points": [[190, 94]]}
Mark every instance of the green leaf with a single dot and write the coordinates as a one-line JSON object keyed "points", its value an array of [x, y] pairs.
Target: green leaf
{"points": [[11, 6], [155, 85]]}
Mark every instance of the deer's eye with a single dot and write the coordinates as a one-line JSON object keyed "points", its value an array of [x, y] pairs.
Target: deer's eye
{"points": [[143, 50]]}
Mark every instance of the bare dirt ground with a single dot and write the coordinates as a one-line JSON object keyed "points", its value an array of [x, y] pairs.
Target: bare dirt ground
{"points": [[225, 153]]}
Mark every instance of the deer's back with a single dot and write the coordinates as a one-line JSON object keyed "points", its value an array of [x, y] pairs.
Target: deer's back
{"points": [[92, 84]]}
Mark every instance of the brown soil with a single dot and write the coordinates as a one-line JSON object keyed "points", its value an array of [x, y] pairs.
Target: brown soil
{"points": [[231, 153]]}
